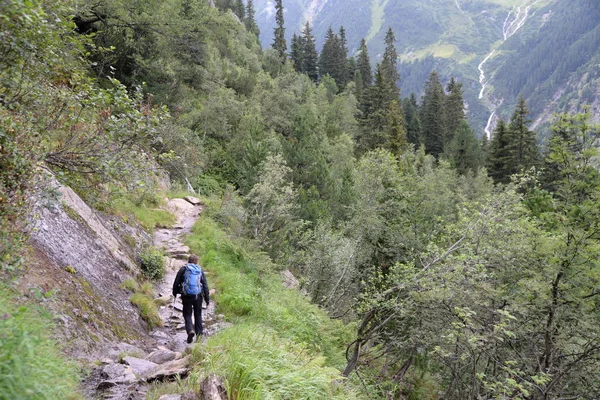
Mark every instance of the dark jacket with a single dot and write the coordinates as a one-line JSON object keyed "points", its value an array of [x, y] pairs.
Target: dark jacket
{"points": [[177, 285]]}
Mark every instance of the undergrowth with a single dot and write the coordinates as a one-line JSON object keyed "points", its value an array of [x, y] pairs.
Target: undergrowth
{"points": [[31, 364], [280, 346], [146, 211]]}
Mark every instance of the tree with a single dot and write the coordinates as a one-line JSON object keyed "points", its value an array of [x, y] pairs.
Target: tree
{"points": [[464, 150], [389, 65], [333, 60], [297, 53], [432, 115], [279, 43], [310, 57], [454, 109], [522, 144], [250, 20], [413, 122], [364, 64], [498, 156]]}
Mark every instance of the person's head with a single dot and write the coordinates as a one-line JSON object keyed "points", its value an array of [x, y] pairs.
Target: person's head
{"points": [[193, 259]]}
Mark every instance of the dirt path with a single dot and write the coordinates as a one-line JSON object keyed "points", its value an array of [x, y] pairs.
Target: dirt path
{"points": [[126, 370]]}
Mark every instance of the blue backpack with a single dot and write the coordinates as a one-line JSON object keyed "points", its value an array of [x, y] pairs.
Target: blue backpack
{"points": [[192, 283]]}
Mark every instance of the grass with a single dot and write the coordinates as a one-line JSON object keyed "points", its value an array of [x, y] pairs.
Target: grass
{"points": [[280, 346], [31, 363], [143, 298], [146, 212]]}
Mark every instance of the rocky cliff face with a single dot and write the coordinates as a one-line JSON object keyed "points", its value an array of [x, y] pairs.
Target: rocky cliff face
{"points": [[78, 259]]}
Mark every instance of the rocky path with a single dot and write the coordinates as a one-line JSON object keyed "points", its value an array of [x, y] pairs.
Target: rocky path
{"points": [[127, 370]]}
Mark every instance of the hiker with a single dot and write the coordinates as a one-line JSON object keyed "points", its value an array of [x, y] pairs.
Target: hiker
{"points": [[190, 282]]}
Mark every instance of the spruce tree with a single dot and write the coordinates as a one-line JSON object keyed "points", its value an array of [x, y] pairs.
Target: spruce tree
{"points": [[464, 150], [240, 10], [279, 43], [454, 109], [250, 20], [413, 121], [522, 145], [297, 53], [310, 57], [329, 60], [395, 128], [389, 64], [364, 64], [498, 157], [432, 115]]}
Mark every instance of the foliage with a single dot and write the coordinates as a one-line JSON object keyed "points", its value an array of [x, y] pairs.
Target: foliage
{"points": [[152, 262], [31, 364], [147, 307]]}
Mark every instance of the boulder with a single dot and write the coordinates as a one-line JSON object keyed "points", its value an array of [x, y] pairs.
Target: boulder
{"points": [[289, 280], [139, 365], [162, 356], [168, 370], [213, 388]]}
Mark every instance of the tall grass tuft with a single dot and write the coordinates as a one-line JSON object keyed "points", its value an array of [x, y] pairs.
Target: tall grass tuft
{"points": [[31, 364], [262, 365]]}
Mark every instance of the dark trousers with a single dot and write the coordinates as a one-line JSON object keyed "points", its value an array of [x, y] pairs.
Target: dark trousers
{"points": [[192, 303]]}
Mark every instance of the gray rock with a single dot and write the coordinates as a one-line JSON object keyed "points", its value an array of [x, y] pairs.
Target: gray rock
{"points": [[289, 280], [162, 356], [168, 370], [213, 388], [139, 365], [193, 200], [170, 397]]}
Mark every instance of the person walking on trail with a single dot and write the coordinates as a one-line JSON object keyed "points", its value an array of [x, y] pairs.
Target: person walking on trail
{"points": [[191, 283]]}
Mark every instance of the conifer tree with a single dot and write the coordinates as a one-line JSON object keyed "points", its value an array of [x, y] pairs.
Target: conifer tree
{"points": [[279, 43], [346, 71], [413, 122], [454, 109], [297, 53], [239, 9], [395, 128], [464, 150], [432, 115], [250, 20], [332, 60], [364, 64], [389, 64], [310, 57], [498, 154], [522, 145]]}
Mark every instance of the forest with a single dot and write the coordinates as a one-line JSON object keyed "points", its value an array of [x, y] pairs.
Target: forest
{"points": [[433, 263]]}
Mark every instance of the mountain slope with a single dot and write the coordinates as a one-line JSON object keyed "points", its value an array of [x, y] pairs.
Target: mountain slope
{"points": [[469, 39]]}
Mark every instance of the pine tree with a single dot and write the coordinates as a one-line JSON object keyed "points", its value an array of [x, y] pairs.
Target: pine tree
{"points": [[395, 128], [464, 150], [364, 64], [310, 57], [432, 115], [389, 64], [250, 20], [522, 145], [346, 72], [329, 61], [240, 10], [454, 109], [297, 53], [413, 122], [498, 154], [279, 43]]}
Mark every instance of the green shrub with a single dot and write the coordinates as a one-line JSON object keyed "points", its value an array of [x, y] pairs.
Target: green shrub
{"points": [[131, 285], [31, 364], [152, 262]]}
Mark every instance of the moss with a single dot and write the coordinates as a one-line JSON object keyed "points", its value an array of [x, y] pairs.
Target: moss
{"points": [[70, 269], [130, 240]]}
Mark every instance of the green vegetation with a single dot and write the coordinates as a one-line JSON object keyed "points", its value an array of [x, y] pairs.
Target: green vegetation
{"points": [[31, 364], [143, 298], [146, 212], [152, 262]]}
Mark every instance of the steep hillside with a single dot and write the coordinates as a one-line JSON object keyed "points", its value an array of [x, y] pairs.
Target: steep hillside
{"points": [[496, 48]]}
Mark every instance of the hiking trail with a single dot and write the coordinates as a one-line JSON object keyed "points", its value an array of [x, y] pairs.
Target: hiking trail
{"points": [[127, 370]]}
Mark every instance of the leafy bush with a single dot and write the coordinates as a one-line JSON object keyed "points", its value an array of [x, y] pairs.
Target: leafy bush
{"points": [[152, 262], [31, 364]]}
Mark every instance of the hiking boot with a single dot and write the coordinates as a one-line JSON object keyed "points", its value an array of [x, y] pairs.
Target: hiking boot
{"points": [[190, 337]]}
